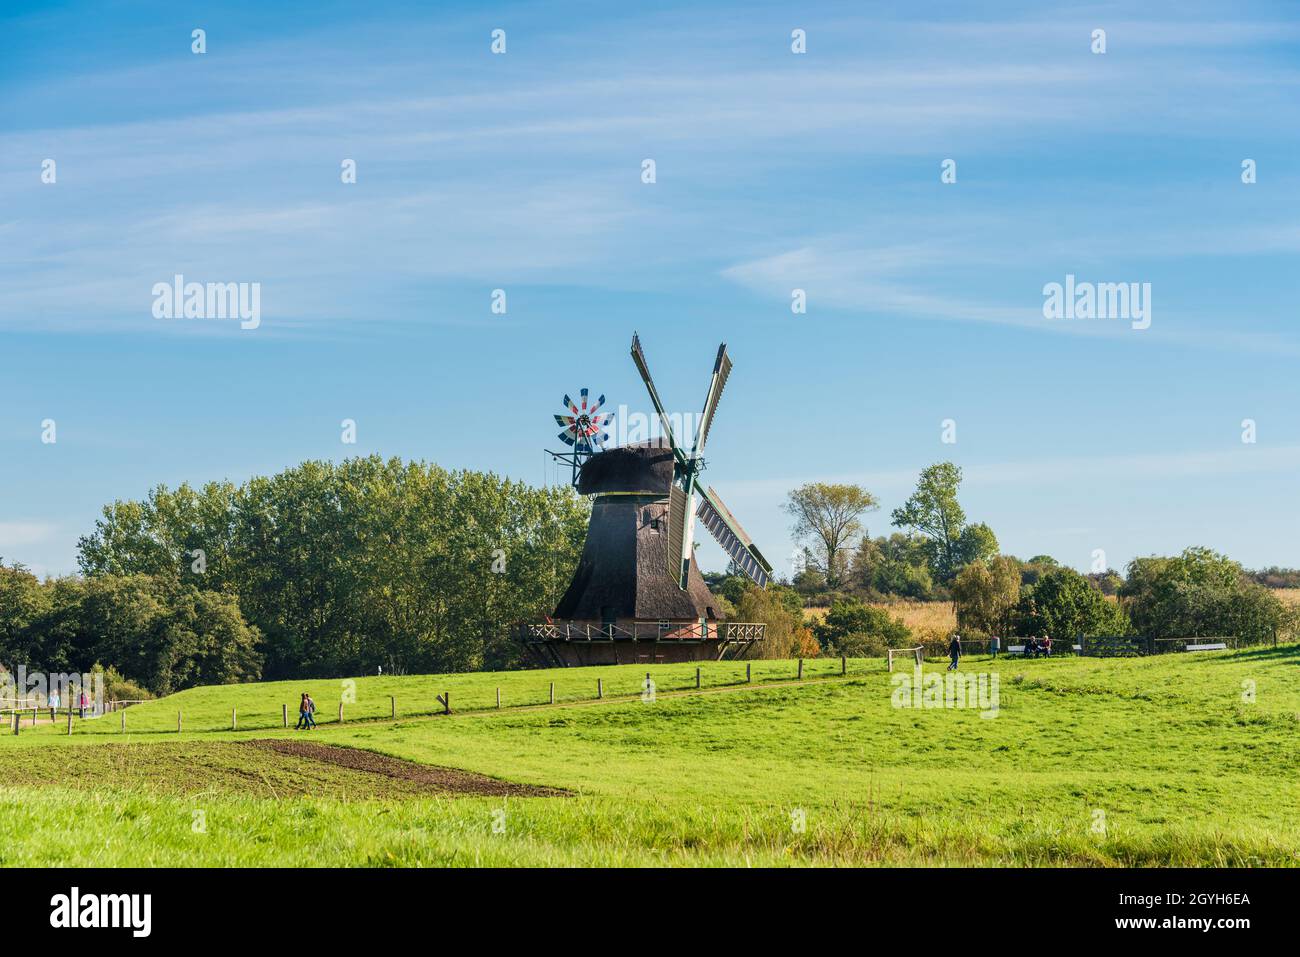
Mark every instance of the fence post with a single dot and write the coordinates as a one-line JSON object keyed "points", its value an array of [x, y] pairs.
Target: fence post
{"points": [[697, 678], [284, 714], [801, 669], [748, 674], [844, 665], [234, 720], [17, 721], [340, 712], [600, 688], [446, 702], [552, 692], [392, 706], [498, 699], [123, 719], [178, 722]]}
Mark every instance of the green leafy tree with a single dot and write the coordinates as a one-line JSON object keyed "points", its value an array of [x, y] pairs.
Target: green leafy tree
{"points": [[934, 512], [828, 518], [897, 565], [346, 567], [986, 594]]}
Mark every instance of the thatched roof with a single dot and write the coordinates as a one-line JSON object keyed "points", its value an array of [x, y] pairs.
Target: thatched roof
{"points": [[647, 467]]}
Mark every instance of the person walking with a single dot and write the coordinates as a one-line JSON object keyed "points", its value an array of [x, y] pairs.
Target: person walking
{"points": [[311, 713], [995, 645], [954, 651], [302, 713], [85, 703], [53, 701]]}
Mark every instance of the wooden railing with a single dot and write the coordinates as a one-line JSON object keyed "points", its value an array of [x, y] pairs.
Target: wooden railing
{"points": [[737, 632]]}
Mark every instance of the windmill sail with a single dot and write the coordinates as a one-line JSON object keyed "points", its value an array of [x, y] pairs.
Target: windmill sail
{"points": [[682, 508], [721, 370], [722, 525], [677, 556], [638, 356]]}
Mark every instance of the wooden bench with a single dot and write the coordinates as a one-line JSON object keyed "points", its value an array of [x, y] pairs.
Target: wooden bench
{"points": [[1078, 648], [1015, 649], [1209, 646]]}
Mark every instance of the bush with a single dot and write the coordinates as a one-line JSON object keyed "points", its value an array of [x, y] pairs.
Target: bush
{"points": [[784, 626], [117, 688], [1065, 604], [857, 630]]}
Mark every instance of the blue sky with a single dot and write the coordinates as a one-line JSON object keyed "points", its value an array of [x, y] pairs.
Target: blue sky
{"points": [[775, 171]]}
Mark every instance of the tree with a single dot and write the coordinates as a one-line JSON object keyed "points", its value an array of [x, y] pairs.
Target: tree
{"points": [[344, 567], [1038, 566], [828, 517], [22, 601], [986, 593], [896, 565], [934, 512]]}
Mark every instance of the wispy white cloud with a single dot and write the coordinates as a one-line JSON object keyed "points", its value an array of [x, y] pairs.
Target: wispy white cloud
{"points": [[21, 534]]}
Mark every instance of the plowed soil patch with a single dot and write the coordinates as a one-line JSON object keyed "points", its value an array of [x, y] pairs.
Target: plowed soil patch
{"points": [[433, 778]]}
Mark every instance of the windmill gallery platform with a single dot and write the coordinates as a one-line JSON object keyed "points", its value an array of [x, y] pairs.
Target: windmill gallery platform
{"points": [[637, 594]]}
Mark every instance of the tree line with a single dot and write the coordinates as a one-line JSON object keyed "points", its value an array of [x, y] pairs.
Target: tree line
{"points": [[330, 569], [325, 569], [938, 554]]}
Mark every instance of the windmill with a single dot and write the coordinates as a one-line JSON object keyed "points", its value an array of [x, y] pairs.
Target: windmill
{"points": [[682, 510], [637, 581]]}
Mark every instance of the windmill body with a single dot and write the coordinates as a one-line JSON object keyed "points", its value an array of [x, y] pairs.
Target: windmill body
{"points": [[637, 593]]}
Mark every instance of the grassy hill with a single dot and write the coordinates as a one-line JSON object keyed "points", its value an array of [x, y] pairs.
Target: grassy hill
{"points": [[1165, 752]]}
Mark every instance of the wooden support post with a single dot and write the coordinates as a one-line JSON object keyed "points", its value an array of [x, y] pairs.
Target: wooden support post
{"points": [[123, 719], [697, 678], [498, 699], [749, 675], [600, 688], [178, 722], [801, 669], [844, 665], [340, 712], [17, 721], [284, 714], [552, 692], [234, 719], [446, 702], [392, 706]]}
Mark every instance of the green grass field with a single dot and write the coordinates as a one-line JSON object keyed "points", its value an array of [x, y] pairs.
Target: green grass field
{"points": [[1155, 761]]}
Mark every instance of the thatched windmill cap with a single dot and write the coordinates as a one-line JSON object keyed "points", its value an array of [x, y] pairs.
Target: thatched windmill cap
{"points": [[645, 468]]}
